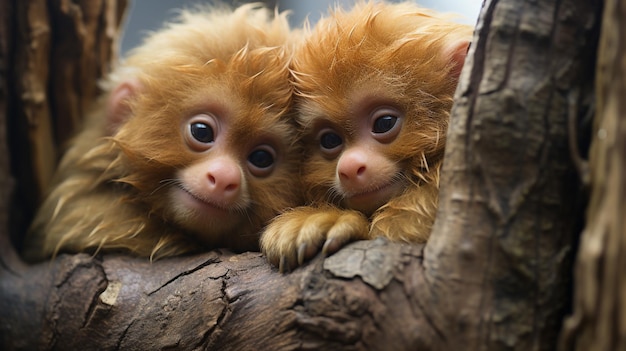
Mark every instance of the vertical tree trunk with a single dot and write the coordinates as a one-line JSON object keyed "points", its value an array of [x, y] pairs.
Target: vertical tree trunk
{"points": [[60, 49], [503, 241], [6, 180], [599, 318]]}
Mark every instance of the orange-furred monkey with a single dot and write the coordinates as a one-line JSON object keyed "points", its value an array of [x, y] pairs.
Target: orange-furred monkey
{"points": [[193, 145], [374, 89]]}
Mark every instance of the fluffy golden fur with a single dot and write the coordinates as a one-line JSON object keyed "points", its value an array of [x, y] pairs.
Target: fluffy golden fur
{"points": [[114, 186], [396, 58]]}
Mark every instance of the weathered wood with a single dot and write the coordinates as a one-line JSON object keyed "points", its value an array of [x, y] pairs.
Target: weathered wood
{"points": [[214, 300], [599, 318], [6, 181], [503, 240], [83, 44], [62, 48]]}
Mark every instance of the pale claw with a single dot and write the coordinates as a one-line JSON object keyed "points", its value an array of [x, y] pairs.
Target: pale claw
{"points": [[283, 266], [301, 253]]}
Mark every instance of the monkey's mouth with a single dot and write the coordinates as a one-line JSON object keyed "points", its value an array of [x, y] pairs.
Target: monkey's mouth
{"points": [[370, 199], [203, 203]]}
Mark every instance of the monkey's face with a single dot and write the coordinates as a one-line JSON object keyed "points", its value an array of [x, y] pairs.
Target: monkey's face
{"points": [[212, 149], [374, 89], [241, 169], [359, 154]]}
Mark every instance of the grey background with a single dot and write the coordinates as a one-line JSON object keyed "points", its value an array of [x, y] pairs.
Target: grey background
{"points": [[146, 15]]}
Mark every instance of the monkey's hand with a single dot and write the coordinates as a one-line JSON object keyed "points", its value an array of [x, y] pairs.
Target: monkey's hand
{"points": [[299, 234]]}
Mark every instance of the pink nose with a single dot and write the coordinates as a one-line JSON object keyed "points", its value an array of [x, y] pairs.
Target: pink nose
{"points": [[352, 167], [224, 180]]}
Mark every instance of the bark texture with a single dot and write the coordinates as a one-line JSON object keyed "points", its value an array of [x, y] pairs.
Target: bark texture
{"points": [[503, 241], [599, 318], [60, 48], [495, 275]]}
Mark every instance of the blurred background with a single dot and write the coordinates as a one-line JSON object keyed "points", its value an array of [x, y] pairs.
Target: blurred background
{"points": [[147, 15]]}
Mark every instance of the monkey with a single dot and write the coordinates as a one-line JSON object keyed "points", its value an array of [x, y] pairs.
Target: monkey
{"points": [[191, 147], [374, 89]]}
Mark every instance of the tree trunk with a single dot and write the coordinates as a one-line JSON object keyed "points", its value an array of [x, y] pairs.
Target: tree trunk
{"points": [[599, 318], [496, 273], [56, 50]]}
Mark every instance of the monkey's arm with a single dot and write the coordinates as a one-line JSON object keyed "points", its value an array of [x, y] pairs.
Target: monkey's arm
{"points": [[408, 217], [76, 217], [93, 221], [299, 234]]}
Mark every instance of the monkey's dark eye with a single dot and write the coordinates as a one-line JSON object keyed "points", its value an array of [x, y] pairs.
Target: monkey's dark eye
{"points": [[202, 132], [261, 158], [384, 124], [330, 140]]}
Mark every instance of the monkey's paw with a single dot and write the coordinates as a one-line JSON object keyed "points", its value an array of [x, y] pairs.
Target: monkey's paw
{"points": [[299, 234]]}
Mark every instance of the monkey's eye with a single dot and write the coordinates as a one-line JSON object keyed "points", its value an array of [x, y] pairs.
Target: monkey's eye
{"points": [[202, 132], [384, 124], [261, 158], [330, 140], [261, 161]]}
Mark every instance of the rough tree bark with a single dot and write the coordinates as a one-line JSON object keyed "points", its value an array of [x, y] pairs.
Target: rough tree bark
{"points": [[495, 274], [56, 52], [599, 318]]}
